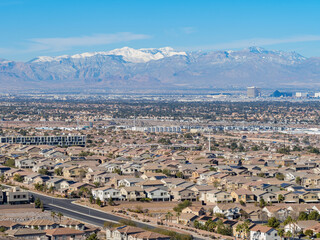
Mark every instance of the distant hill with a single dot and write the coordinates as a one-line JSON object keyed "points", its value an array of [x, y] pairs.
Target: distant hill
{"points": [[163, 68]]}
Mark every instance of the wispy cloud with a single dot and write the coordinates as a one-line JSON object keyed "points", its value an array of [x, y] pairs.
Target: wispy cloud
{"points": [[259, 42], [188, 30], [62, 44]]}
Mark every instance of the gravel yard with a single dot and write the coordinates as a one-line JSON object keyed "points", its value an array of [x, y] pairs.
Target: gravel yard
{"points": [[23, 214]]}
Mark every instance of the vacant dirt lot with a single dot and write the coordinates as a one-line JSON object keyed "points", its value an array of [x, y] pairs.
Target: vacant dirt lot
{"points": [[153, 207], [23, 214]]}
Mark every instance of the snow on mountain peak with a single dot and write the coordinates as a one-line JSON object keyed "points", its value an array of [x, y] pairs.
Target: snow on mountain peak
{"points": [[129, 54]]}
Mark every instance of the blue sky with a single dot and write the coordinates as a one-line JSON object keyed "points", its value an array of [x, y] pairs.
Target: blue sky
{"points": [[31, 28]]}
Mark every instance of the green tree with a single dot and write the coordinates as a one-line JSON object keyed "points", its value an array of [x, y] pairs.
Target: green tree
{"points": [[280, 176], [309, 233], [280, 198], [10, 163], [37, 203], [179, 175], [18, 178], [43, 171], [60, 215], [93, 236], [288, 220], [303, 216], [166, 172], [314, 150], [262, 203], [53, 214], [273, 222], [288, 234], [98, 202], [58, 171], [298, 180], [281, 233], [314, 215]]}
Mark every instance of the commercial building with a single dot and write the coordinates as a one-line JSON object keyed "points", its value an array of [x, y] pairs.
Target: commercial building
{"points": [[301, 94], [158, 129], [253, 92], [79, 140]]}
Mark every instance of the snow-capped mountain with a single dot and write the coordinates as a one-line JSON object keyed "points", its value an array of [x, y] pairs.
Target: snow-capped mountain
{"points": [[128, 54], [163, 68]]}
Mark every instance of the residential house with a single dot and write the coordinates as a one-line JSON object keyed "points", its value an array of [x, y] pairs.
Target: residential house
{"points": [[230, 211], [289, 197], [153, 176], [296, 227], [9, 225], [106, 193], [25, 233], [187, 219], [41, 224], [66, 233], [25, 163], [158, 194], [54, 183], [261, 232], [216, 196], [182, 194], [199, 211], [73, 172], [65, 185], [30, 178], [309, 197], [279, 211], [268, 197], [243, 195], [129, 182], [150, 183], [76, 187], [69, 223], [133, 233], [134, 193]]}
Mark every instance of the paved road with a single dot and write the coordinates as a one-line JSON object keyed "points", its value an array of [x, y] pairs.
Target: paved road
{"points": [[84, 214]]}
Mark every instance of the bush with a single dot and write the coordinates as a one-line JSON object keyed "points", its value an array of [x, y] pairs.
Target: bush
{"points": [[182, 206]]}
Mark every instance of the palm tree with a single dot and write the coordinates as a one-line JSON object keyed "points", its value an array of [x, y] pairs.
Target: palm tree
{"points": [[178, 214], [60, 215], [243, 229], [239, 228], [288, 234], [168, 216], [281, 233], [53, 214]]}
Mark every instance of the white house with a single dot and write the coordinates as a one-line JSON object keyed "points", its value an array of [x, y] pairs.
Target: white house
{"points": [[25, 163], [260, 232], [300, 226], [129, 182], [106, 193], [157, 194], [230, 211]]}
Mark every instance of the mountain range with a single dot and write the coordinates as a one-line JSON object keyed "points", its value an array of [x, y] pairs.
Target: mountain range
{"points": [[163, 68]]}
